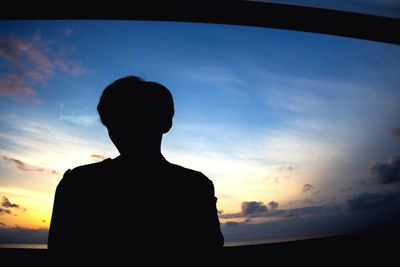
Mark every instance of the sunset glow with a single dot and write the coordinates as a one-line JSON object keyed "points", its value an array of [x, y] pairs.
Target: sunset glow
{"points": [[291, 127]]}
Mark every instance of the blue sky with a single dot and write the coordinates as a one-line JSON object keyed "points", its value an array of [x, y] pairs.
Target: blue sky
{"points": [[291, 127]]}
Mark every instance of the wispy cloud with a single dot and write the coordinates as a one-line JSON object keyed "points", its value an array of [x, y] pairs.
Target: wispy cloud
{"points": [[13, 85], [20, 192], [309, 188], [30, 62], [9, 52], [7, 204], [4, 211], [77, 69], [68, 32], [82, 120], [96, 157], [215, 75], [27, 167], [62, 147], [286, 167], [22, 165]]}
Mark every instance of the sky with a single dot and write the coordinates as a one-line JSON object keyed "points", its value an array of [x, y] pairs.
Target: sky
{"points": [[299, 132]]}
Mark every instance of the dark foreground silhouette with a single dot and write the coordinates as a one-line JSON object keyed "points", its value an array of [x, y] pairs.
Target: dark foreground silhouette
{"points": [[137, 204], [374, 247]]}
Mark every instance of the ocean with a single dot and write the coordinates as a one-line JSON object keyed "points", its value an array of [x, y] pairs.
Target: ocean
{"points": [[24, 246], [227, 243]]}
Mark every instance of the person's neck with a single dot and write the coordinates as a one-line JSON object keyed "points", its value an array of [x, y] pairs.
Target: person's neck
{"points": [[144, 157]]}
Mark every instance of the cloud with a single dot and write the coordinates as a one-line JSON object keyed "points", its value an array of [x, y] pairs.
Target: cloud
{"points": [[231, 215], [216, 75], [20, 235], [77, 69], [231, 224], [307, 187], [97, 157], [373, 209], [22, 165], [68, 32], [317, 221], [27, 62], [346, 189], [312, 210], [27, 167], [253, 208], [4, 211], [310, 188], [9, 51], [2, 224], [82, 120], [366, 200], [387, 173], [13, 85], [286, 168], [7, 204], [396, 132], [248, 209], [308, 202], [30, 62], [273, 205]]}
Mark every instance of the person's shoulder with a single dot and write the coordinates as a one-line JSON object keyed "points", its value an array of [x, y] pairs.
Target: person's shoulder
{"points": [[185, 171], [89, 169], [85, 171], [189, 174], [195, 182]]}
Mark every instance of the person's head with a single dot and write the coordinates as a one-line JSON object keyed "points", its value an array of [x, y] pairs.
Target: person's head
{"points": [[136, 113]]}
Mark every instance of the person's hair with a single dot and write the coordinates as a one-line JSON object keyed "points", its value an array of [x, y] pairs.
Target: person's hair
{"points": [[132, 98]]}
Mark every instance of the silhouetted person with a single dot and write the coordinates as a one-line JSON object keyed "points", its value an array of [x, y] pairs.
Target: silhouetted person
{"points": [[138, 202]]}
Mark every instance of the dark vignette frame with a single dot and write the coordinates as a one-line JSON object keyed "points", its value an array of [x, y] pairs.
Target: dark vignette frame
{"points": [[247, 13]]}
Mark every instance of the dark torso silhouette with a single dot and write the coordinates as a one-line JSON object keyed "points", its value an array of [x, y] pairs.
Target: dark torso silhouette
{"points": [[126, 208]]}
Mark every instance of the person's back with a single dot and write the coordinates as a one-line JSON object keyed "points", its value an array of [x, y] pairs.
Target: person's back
{"points": [[136, 203]]}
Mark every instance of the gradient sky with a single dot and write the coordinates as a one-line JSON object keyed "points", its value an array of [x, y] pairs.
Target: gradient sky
{"points": [[294, 129]]}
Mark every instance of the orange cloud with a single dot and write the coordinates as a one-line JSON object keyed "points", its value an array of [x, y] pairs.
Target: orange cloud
{"points": [[7, 203], [96, 157], [31, 62], [27, 167], [4, 211], [22, 165], [14, 85]]}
